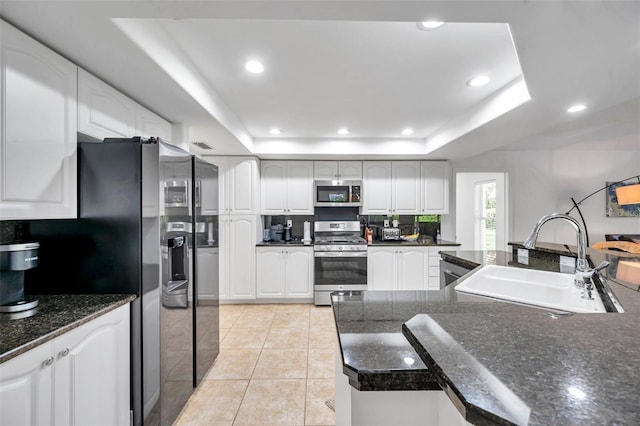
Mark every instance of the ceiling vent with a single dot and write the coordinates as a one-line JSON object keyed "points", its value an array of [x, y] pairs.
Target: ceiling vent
{"points": [[202, 145]]}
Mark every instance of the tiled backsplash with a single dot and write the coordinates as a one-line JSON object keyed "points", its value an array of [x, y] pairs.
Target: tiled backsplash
{"points": [[13, 231]]}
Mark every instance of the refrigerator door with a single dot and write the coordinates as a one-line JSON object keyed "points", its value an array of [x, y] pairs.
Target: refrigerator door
{"points": [[206, 269], [176, 302]]}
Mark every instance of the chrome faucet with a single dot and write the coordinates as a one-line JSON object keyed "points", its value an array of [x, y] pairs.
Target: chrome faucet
{"points": [[583, 272]]}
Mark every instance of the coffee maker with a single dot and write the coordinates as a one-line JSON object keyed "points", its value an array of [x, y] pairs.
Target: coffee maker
{"points": [[14, 260]]}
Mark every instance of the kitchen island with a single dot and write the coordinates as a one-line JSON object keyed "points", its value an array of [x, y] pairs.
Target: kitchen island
{"points": [[499, 363]]}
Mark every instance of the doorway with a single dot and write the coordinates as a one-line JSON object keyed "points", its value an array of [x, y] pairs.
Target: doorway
{"points": [[481, 210]]}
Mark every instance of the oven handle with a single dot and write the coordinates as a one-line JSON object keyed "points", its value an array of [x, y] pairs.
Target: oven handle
{"points": [[340, 254]]}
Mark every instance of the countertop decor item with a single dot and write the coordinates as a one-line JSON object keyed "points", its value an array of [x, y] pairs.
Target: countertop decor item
{"points": [[629, 194]]}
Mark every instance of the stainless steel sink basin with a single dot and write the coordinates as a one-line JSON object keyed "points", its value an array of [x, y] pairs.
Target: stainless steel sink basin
{"points": [[551, 290]]}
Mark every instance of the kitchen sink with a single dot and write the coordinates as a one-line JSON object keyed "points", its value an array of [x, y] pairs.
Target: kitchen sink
{"points": [[551, 290]]}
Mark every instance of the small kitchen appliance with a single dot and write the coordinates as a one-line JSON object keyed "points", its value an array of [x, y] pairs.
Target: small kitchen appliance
{"points": [[340, 259], [14, 260]]}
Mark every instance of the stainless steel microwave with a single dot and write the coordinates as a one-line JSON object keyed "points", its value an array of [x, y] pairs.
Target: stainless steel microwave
{"points": [[337, 193]]}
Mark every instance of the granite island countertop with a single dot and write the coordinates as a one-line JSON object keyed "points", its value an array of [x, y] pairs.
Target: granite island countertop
{"points": [[530, 362], [57, 314]]}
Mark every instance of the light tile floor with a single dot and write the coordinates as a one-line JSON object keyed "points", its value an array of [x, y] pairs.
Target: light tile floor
{"points": [[276, 367]]}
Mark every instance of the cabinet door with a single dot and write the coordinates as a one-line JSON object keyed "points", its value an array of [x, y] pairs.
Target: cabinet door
{"points": [[273, 175], [350, 170], [39, 134], [325, 170], [406, 187], [223, 182], [412, 268], [243, 185], [376, 187], [270, 271], [149, 124], [299, 270], [224, 234], [26, 388], [435, 187], [103, 112], [299, 187], [382, 269], [243, 236], [92, 372], [208, 273]]}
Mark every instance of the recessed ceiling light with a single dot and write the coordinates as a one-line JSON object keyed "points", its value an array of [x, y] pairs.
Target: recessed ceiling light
{"points": [[430, 25], [407, 132], [275, 131], [254, 67], [343, 131], [576, 108], [480, 80]]}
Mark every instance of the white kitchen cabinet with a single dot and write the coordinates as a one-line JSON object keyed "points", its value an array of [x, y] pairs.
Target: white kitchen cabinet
{"points": [[376, 187], [405, 180], [435, 187], [391, 187], [238, 184], [103, 112], [287, 187], [39, 130], [149, 124], [26, 388], [208, 272], [397, 268], [81, 377], [238, 236], [284, 272], [337, 170]]}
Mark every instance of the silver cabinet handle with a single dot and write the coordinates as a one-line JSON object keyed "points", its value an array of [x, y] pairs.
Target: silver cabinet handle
{"points": [[48, 361], [64, 352]]}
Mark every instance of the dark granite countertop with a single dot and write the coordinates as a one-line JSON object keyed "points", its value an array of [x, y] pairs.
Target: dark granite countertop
{"points": [[283, 243], [419, 242], [57, 314], [500, 363]]}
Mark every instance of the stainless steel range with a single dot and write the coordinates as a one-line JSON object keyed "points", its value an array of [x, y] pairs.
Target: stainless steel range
{"points": [[340, 259]]}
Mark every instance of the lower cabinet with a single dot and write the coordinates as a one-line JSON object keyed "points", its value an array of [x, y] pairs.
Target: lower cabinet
{"points": [[284, 272], [397, 268], [238, 235], [81, 377]]}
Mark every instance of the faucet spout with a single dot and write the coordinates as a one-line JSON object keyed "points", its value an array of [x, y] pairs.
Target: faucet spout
{"points": [[581, 264]]}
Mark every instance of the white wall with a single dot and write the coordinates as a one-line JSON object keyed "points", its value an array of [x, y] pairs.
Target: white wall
{"points": [[543, 181]]}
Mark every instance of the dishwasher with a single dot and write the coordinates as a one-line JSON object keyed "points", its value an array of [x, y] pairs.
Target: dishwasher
{"points": [[449, 272]]}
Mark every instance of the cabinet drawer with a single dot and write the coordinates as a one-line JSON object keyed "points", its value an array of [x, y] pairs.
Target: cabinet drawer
{"points": [[434, 271]]}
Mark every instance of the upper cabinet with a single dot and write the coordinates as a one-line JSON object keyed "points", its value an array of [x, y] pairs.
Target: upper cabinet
{"points": [[337, 170], [435, 187], [287, 187], [405, 187], [391, 187], [39, 123], [149, 124], [238, 184], [103, 112]]}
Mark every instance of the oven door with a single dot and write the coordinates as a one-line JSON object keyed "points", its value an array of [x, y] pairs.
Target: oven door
{"points": [[338, 271], [340, 268]]}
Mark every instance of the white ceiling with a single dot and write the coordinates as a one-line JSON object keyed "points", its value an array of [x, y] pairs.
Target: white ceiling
{"points": [[363, 65]]}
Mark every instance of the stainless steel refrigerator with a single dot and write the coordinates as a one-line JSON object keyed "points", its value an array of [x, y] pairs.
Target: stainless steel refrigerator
{"points": [[121, 242]]}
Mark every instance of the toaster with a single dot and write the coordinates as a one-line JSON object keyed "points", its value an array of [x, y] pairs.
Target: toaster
{"points": [[389, 234]]}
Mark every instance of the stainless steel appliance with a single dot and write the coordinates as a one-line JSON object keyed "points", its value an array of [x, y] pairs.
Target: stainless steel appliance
{"points": [[337, 193], [449, 272], [15, 259], [340, 259], [390, 234], [175, 279], [117, 245]]}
